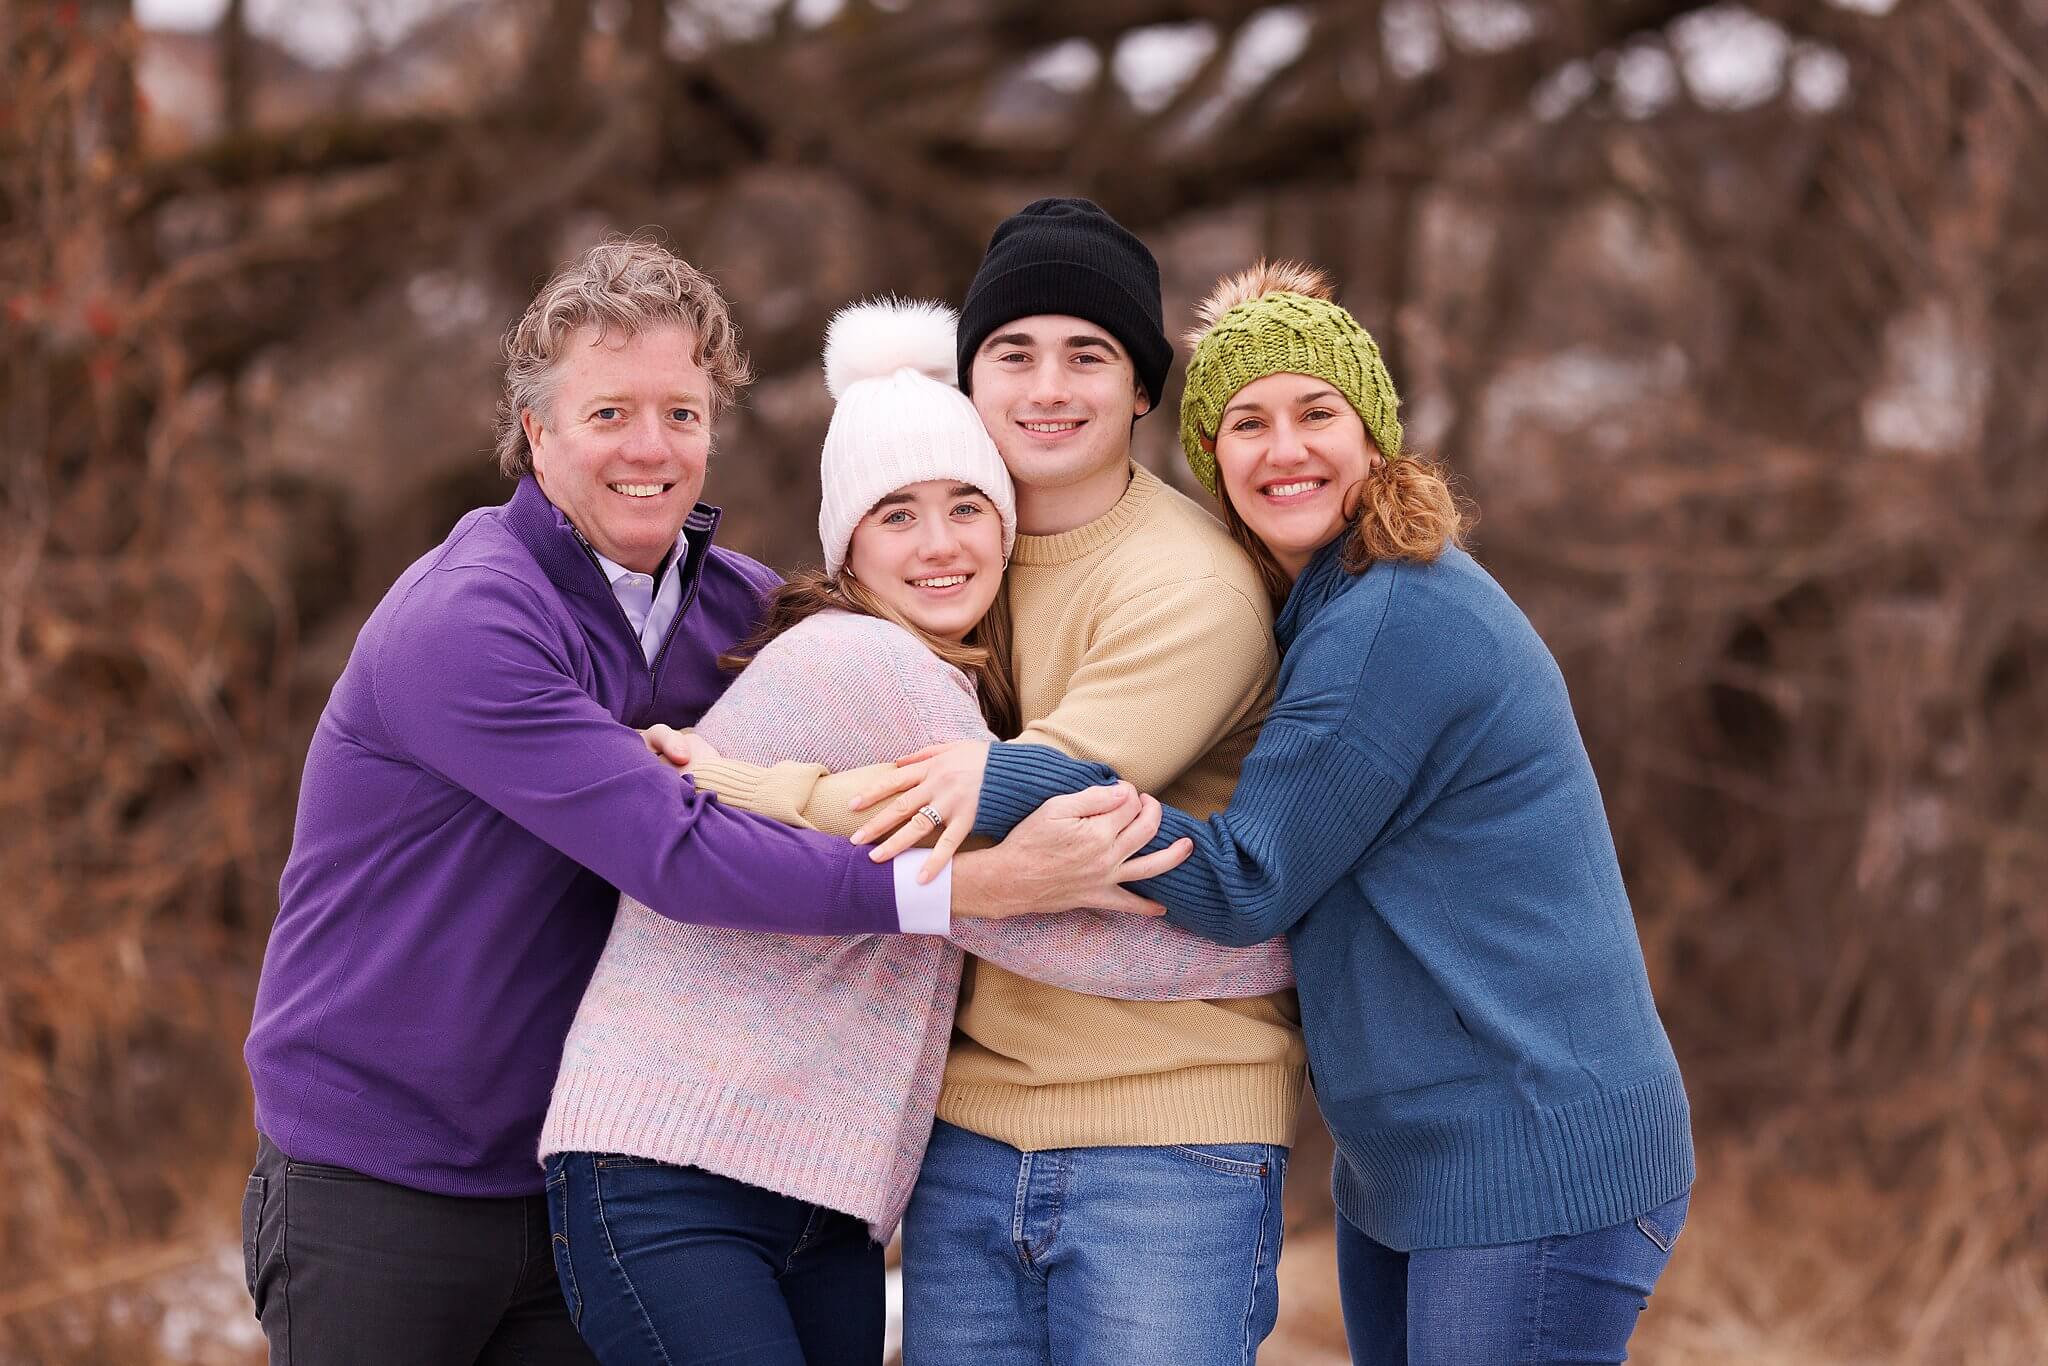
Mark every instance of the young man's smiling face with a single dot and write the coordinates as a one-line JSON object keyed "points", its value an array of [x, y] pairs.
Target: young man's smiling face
{"points": [[1058, 395]]}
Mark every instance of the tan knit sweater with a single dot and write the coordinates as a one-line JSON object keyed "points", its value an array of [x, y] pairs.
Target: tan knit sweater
{"points": [[1142, 641]]}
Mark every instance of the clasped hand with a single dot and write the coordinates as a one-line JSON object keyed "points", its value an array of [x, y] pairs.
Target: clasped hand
{"points": [[681, 748], [944, 778], [1076, 851]]}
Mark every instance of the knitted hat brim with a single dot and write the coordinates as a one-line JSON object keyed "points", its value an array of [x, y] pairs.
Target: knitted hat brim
{"points": [[1285, 333], [1034, 288]]}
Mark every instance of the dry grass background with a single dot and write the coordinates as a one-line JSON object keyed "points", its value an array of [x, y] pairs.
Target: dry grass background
{"points": [[1752, 397]]}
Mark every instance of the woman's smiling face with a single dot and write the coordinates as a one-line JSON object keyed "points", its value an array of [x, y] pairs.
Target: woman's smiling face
{"points": [[1289, 452]]}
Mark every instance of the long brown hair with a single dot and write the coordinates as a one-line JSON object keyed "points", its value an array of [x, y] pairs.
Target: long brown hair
{"points": [[983, 656], [1404, 510]]}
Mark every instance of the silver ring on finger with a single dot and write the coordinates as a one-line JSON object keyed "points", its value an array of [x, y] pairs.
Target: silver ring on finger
{"points": [[931, 813]]}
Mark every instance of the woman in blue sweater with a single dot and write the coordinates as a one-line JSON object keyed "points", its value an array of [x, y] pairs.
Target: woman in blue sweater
{"points": [[1419, 817]]}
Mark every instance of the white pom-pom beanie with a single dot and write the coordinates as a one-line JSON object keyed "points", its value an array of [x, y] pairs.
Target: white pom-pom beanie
{"points": [[901, 419]]}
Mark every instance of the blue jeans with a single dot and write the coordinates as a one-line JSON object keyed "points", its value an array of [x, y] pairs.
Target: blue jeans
{"points": [[684, 1267], [1078, 1256], [1573, 1298]]}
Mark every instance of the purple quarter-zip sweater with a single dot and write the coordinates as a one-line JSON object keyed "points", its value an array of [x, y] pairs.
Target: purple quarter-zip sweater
{"points": [[474, 800]]}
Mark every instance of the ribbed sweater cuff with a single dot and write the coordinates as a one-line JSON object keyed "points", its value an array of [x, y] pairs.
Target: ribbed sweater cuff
{"points": [[1303, 806], [776, 792], [1017, 778], [1507, 1176]]}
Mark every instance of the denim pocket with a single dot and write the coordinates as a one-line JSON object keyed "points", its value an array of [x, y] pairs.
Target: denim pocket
{"points": [[1663, 1224], [622, 1161], [252, 1220], [565, 1265], [1249, 1160]]}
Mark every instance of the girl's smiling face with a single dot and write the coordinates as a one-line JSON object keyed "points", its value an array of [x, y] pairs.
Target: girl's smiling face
{"points": [[934, 552]]}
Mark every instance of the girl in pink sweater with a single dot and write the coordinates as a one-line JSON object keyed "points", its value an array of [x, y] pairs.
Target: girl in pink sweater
{"points": [[739, 1117]]}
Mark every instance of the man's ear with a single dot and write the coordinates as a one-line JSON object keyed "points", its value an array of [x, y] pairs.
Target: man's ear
{"points": [[530, 425], [1143, 405]]}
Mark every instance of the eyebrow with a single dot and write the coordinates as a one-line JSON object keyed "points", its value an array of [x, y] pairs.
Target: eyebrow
{"points": [[898, 499], [684, 396], [1079, 339], [1311, 396]]}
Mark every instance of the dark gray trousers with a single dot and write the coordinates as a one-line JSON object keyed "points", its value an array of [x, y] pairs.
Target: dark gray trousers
{"points": [[348, 1269]]}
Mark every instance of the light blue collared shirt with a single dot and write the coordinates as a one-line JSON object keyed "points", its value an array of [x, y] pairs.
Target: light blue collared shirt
{"points": [[651, 609]]}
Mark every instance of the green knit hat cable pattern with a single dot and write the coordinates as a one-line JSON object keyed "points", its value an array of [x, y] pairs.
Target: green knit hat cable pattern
{"points": [[1281, 334]]}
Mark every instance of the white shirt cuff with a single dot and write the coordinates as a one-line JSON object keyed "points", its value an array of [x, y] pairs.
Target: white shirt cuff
{"points": [[926, 909]]}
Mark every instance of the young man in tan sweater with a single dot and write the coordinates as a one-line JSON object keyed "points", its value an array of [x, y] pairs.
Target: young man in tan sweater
{"points": [[1104, 1182]]}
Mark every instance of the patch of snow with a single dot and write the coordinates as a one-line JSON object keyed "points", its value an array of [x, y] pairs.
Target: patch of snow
{"points": [[1412, 38], [1645, 80], [1068, 67], [1562, 91], [1936, 385], [1154, 62], [182, 16], [323, 33], [1585, 399], [1819, 78], [1267, 43], [1489, 25], [1733, 58]]}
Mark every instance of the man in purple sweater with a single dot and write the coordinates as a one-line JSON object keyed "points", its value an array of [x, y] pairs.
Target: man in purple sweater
{"points": [[475, 798]]}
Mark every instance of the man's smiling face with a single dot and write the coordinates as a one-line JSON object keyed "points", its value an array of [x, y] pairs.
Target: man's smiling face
{"points": [[623, 443], [1058, 395]]}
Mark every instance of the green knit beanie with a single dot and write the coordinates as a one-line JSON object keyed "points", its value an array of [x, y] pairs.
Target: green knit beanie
{"points": [[1283, 333]]}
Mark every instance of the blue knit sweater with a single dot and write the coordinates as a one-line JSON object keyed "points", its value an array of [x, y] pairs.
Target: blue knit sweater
{"points": [[1420, 818]]}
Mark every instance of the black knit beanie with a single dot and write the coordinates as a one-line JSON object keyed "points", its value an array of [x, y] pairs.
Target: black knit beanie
{"points": [[1068, 256]]}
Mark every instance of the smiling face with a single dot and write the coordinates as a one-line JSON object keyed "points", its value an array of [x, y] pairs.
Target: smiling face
{"points": [[623, 441], [934, 552], [1289, 451], [1058, 395]]}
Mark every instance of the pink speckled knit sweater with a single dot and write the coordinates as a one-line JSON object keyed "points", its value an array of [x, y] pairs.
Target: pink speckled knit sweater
{"points": [[811, 1066]]}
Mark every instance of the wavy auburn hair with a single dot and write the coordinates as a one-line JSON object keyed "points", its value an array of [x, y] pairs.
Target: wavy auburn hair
{"points": [[1405, 509]]}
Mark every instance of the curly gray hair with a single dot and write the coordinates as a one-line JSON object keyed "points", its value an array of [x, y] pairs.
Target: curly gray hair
{"points": [[620, 287]]}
